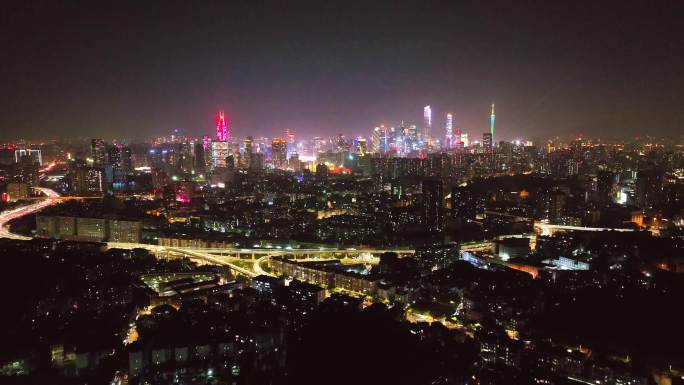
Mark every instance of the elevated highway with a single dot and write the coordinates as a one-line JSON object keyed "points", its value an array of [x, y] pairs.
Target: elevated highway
{"points": [[235, 259], [547, 229]]}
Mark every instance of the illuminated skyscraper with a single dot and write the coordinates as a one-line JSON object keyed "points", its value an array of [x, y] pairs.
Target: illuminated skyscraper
{"points": [[249, 144], [487, 140], [449, 131], [98, 152], [290, 138], [492, 117], [427, 123], [379, 140], [219, 153], [362, 146], [412, 132], [87, 181], [279, 153], [222, 133], [433, 207], [199, 158], [457, 142]]}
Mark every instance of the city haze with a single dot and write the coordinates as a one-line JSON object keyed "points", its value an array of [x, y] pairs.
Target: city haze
{"points": [[141, 70]]}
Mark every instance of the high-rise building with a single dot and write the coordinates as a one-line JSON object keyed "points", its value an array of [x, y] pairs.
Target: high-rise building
{"points": [[219, 153], [487, 140], [465, 140], [457, 141], [449, 135], [114, 168], [114, 157], [98, 152], [427, 123], [87, 181], [649, 185], [290, 138], [605, 186], [433, 208], [126, 160], [186, 159], [361, 146], [492, 118], [222, 132], [379, 139], [200, 160], [412, 133], [279, 153]]}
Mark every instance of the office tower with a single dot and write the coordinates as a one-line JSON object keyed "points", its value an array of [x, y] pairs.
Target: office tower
{"points": [[290, 138], [114, 168], [199, 159], [427, 123], [98, 152], [87, 181], [219, 153], [186, 159], [465, 140], [294, 162], [222, 133], [449, 131], [433, 209], [361, 146], [126, 160], [114, 157], [492, 117], [412, 132], [487, 140], [279, 153], [379, 139], [391, 138]]}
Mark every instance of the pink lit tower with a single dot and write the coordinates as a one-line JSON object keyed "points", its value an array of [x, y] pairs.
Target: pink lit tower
{"points": [[222, 132]]}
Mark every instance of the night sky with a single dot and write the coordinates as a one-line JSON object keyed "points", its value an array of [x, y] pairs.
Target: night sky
{"points": [[140, 69]]}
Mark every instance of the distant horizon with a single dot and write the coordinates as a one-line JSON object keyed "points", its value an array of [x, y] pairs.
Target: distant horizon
{"points": [[138, 70]]}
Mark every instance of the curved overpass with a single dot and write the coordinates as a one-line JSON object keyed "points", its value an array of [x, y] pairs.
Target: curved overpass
{"points": [[227, 258]]}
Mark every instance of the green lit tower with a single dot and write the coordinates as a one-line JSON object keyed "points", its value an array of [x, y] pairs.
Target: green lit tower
{"points": [[492, 117]]}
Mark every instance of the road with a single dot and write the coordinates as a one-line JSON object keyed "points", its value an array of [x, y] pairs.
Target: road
{"points": [[206, 255], [8, 215], [549, 229]]}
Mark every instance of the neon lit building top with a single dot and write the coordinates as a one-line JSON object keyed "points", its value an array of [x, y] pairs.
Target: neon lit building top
{"points": [[222, 133], [492, 118]]}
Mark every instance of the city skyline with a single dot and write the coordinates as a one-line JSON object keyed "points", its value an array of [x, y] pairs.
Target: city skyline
{"points": [[289, 192]]}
